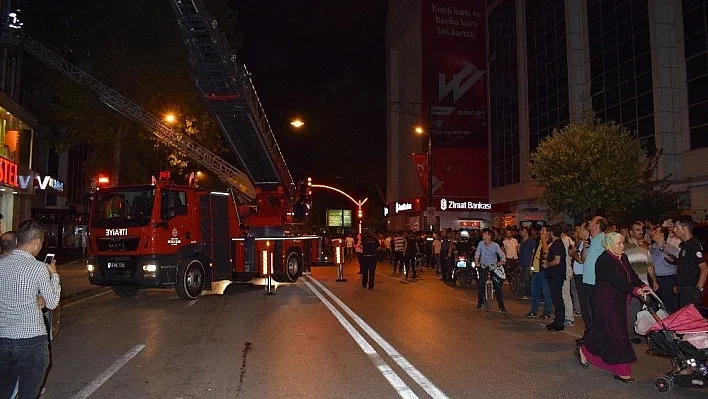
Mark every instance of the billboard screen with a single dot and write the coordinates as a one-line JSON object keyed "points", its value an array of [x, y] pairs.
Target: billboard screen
{"points": [[339, 218], [454, 91]]}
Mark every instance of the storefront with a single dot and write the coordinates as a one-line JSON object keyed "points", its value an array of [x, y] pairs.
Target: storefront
{"points": [[16, 140], [66, 227], [460, 213], [405, 215]]}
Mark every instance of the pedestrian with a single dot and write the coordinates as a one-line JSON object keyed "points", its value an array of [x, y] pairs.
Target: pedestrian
{"points": [[568, 244], [437, 248], [539, 283], [582, 237], [637, 251], [446, 255], [24, 344], [555, 270], [664, 258], [348, 247], [8, 243], [398, 258], [369, 245], [357, 251], [410, 250], [597, 227], [488, 257], [692, 269], [511, 250], [526, 252], [607, 346]]}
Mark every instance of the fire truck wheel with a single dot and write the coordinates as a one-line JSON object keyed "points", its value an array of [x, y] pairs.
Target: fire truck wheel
{"points": [[190, 280], [293, 267], [126, 291]]}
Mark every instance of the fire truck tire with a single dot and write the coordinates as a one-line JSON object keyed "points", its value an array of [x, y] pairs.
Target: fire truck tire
{"points": [[293, 269], [190, 279], [125, 291]]}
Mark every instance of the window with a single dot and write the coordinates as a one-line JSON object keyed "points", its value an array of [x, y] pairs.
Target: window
{"points": [[504, 99], [174, 203], [695, 35], [625, 95], [545, 23]]}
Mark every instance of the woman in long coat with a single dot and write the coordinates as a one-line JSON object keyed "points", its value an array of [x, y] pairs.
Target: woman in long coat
{"points": [[607, 345]]}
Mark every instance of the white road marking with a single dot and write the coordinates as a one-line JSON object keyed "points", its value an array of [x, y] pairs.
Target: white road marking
{"points": [[396, 382], [103, 377], [70, 304], [416, 375]]}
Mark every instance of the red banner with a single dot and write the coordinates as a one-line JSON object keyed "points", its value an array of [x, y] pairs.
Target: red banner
{"points": [[454, 93], [421, 168]]}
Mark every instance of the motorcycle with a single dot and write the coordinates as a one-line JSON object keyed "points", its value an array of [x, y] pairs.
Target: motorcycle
{"points": [[513, 275], [464, 270]]}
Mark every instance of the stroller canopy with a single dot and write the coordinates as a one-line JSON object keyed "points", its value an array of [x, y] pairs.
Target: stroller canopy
{"points": [[684, 320]]}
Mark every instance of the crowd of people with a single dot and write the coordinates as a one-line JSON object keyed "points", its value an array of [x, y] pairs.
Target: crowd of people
{"points": [[591, 271]]}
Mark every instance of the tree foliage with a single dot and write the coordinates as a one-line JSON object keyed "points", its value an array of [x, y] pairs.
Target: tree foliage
{"points": [[589, 168], [134, 47]]}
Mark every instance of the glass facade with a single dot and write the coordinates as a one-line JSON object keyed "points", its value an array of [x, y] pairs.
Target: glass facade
{"points": [[547, 68], [695, 15], [504, 101], [620, 65]]}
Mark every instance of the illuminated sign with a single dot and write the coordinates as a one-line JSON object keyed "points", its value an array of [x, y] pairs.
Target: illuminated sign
{"points": [[8, 173], [45, 182], [450, 205], [116, 232], [470, 224], [385, 211], [339, 218], [406, 206]]}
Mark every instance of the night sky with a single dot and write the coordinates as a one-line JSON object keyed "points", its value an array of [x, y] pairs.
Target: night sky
{"points": [[324, 62]]}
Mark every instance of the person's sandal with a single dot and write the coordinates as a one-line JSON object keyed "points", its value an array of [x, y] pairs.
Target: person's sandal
{"points": [[625, 380], [583, 364]]}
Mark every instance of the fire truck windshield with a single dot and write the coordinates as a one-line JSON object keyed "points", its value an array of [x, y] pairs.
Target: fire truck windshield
{"points": [[122, 208]]}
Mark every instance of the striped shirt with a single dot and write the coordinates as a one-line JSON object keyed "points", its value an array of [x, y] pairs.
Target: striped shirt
{"points": [[22, 279], [399, 243]]}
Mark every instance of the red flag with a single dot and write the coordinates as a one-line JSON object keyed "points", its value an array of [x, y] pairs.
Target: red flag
{"points": [[421, 166]]}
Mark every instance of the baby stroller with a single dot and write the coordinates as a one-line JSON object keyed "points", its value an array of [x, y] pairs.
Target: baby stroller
{"points": [[683, 337]]}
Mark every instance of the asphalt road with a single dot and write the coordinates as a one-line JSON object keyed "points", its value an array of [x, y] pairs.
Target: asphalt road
{"points": [[319, 338]]}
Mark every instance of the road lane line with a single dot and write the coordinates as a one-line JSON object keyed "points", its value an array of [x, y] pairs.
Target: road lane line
{"points": [[85, 299], [396, 382], [103, 377], [416, 375]]}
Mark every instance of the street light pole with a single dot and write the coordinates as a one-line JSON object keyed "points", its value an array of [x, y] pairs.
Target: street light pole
{"points": [[431, 223]]}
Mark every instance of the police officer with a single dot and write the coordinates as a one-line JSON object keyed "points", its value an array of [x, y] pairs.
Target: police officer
{"points": [[369, 245], [692, 270]]}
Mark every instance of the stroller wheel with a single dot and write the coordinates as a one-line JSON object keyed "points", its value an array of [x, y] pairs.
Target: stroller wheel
{"points": [[663, 384]]}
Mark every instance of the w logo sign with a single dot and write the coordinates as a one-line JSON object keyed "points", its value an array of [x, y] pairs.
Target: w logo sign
{"points": [[460, 83]]}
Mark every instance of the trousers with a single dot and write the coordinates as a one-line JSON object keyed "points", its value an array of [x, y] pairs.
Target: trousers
{"points": [[24, 360]]}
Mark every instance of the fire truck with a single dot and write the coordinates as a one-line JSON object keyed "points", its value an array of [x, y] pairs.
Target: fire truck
{"points": [[167, 235]]}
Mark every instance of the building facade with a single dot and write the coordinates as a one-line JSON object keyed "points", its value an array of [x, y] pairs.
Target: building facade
{"points": [[643, 64]]}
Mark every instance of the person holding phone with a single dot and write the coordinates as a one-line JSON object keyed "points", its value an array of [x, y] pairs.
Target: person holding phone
{"points": [[24, 345]]}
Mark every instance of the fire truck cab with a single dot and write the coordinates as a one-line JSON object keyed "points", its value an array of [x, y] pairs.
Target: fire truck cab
{"points": [[165, 235]]}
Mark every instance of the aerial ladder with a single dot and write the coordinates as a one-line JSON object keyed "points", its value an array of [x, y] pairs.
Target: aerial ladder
{"points": [[231, 97], [239, 183]]}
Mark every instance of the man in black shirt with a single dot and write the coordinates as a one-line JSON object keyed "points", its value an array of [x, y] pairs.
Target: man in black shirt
{"points": [[555, 274], [692, 271]]}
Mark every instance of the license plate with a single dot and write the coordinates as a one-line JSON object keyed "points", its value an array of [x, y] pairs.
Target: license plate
{"points": [[116, 265], [461, 263]]}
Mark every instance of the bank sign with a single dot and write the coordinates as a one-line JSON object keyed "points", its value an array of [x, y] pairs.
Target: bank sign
{"points": [[451, 205]]}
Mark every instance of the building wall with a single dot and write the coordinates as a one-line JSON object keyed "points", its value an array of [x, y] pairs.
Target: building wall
{"points": [[641, 64]]}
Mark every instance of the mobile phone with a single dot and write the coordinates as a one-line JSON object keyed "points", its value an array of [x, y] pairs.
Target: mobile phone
{"points": [[49, 258]]}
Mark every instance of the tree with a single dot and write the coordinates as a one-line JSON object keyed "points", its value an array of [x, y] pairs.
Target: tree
{"points": [[589, 168], [135, 47]]}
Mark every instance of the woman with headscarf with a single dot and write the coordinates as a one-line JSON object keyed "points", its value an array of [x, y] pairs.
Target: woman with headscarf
{"points": [[607, 345]]}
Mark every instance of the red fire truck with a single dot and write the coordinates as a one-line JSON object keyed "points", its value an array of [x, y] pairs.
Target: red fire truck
{"points": [[165, 235]]}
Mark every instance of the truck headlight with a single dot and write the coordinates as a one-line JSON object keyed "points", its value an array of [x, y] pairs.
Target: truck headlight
{"points": [[151, 268], [90, 267]]}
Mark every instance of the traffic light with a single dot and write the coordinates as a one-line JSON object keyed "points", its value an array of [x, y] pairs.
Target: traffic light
{"points": [[309, 182], [360, 214]]}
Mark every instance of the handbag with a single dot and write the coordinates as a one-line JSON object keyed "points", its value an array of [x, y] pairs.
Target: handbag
{"points": [[499, 271]]}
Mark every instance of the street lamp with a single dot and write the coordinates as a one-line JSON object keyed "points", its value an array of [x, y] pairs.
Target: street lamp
{"points": [[170, 118], [297, 123], [421, 131]]}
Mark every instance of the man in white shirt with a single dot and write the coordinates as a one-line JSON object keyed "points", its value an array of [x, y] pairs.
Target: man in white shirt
{"points": [[24, 345], [349, 247], [568, 243]]}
